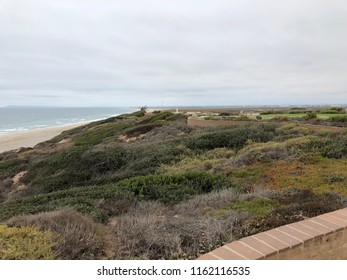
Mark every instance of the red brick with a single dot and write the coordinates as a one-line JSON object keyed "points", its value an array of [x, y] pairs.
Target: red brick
{"points": [[322, 229], [266, 250], [244, 250], [272, 242], [226, 254], [343, 211], [208, 256], [333, 219], [307, 230], [289, 240], [295, 233], [327, 224], [339, 216]]}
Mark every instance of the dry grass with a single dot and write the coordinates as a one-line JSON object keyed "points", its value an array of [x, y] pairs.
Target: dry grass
{"points": [[154, 237], [259, 191], [212, 161], [79, 236], [152, 231], [199, 205]]}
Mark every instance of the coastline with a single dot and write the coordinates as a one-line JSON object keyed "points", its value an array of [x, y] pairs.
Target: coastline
{"points": [[12, 141]]}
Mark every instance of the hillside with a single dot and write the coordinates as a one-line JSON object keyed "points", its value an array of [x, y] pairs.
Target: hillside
{"points": [[148, 186]]}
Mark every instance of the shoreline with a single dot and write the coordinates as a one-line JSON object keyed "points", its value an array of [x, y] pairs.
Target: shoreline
{"points": [[13, 141]]}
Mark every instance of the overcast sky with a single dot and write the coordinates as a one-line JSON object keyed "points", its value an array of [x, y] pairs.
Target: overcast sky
{"points": [[189, 52]]}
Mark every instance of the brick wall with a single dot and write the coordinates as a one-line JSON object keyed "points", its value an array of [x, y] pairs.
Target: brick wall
{"points": [[322, 237]]}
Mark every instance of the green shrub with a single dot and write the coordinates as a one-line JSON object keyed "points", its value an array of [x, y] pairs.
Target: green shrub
{"points": [[97, 134], [177, 118], [257, 207], [261, 152], [233, 137], [174, 188], [12, 166], [207, 160], [25, 243], [334, 147], [299, 111], [82, 199], [310, 116], [224, 114], [332, 111], [269, 112], [336, 178], [78, 237], [75, 166], [145, 158], [281, 119], [338, 119], [165, 188], [156, 117], [137, 114], [59, 170], [84, 165], [65, 180], [141, 129], [295, 205], [242, 118], [211, 117], [104, 159]]}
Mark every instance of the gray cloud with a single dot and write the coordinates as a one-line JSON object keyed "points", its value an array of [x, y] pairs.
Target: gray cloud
{"points": [[106, 52]]}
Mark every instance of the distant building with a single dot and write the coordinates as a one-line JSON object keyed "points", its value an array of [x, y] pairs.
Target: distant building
{"points": [[249, 113]]}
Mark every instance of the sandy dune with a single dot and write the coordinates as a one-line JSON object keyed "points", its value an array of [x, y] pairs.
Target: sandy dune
{"points": [[31, 138]]}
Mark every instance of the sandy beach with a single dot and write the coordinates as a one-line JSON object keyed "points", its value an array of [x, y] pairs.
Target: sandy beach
{"points": [[31, 138]]}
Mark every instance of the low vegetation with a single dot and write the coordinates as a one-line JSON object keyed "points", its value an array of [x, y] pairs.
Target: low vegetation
{"points": [[25, 243], [77, 236], [148, 186]]}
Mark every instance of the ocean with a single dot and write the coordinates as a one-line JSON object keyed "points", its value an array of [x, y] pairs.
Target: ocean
{"points": [[25, 119]]}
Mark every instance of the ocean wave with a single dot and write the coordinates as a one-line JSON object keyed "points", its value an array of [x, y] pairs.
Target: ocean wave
{"points": [[13, 130], [70, 121], [21, 120], [39, 126]]}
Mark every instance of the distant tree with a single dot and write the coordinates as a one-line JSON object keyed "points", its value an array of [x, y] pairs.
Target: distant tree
{"points": [[242, 118], [310, 116], [224, 114], [338, 119], [143, 109], [259, 117], [338, 109]]}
